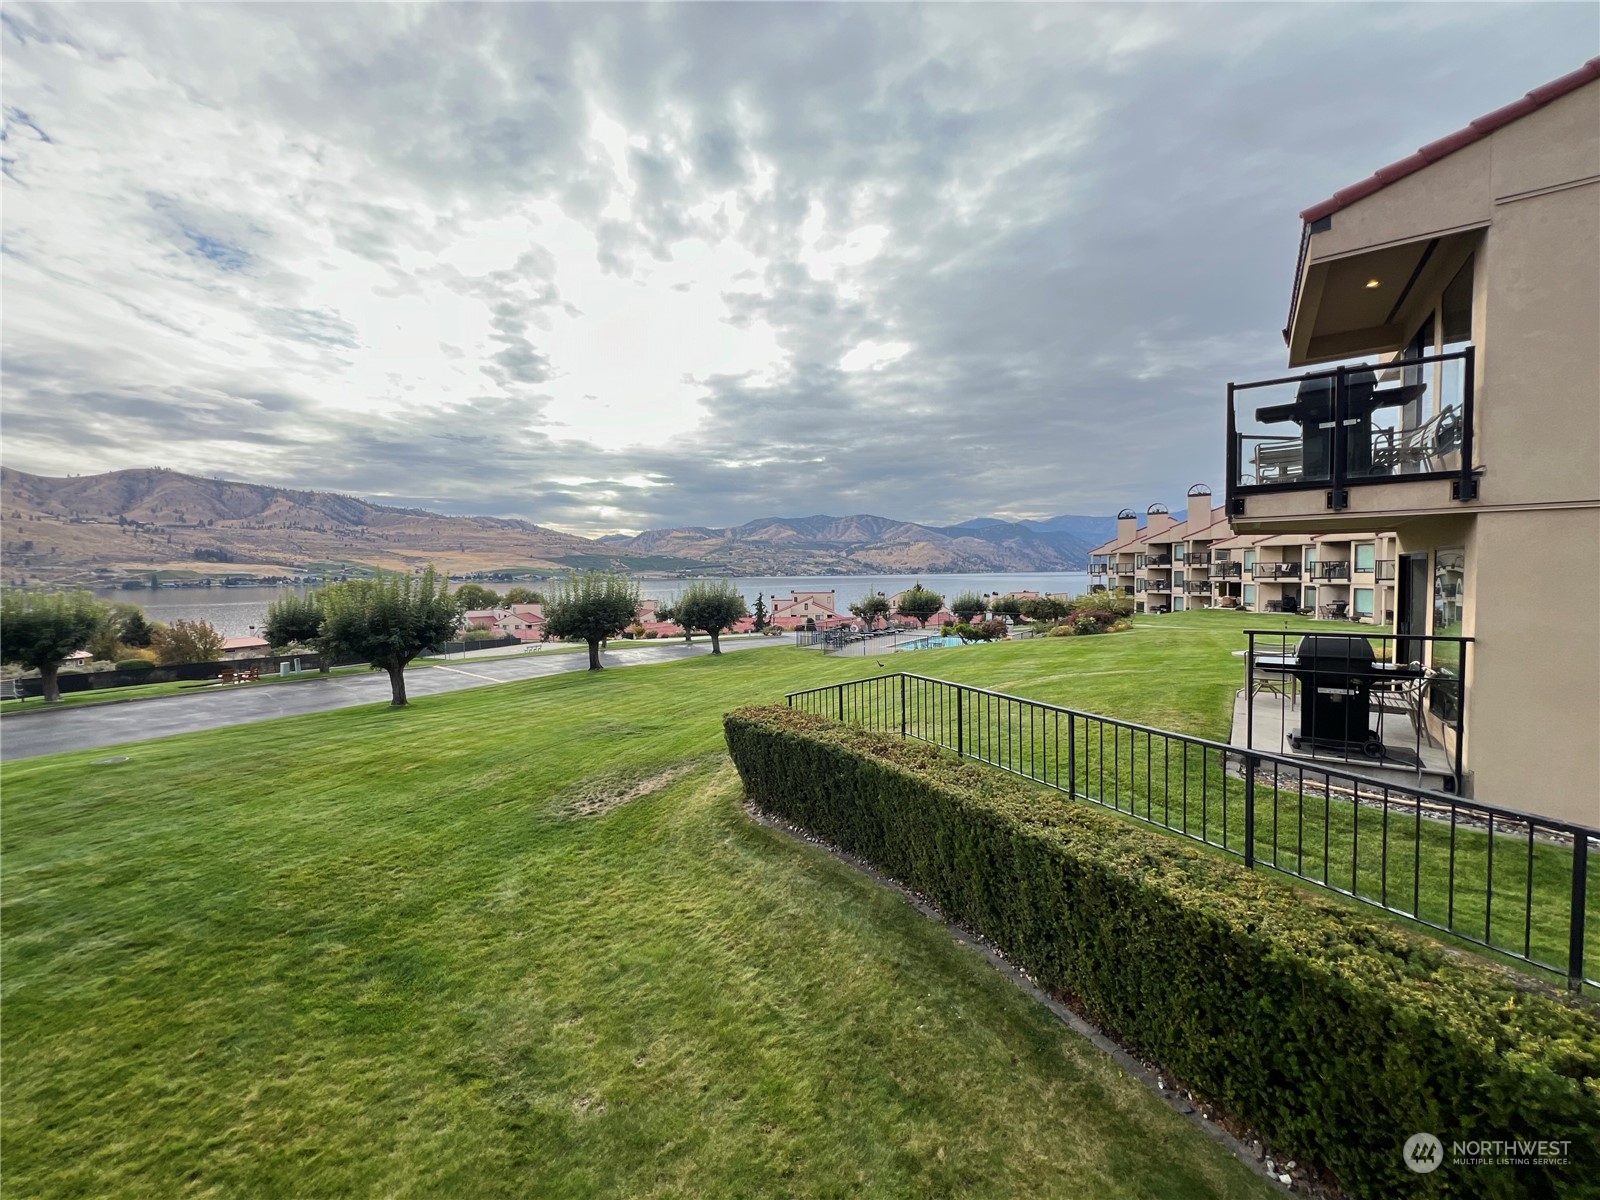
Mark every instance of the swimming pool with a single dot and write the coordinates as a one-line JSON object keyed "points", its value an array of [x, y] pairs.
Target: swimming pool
{"points": [[932, 642]]}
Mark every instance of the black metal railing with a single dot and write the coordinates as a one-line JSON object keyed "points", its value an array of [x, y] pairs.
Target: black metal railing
{"points": [[1158, 560], [1358, 423], [1275, 570], [1097, 568], [1122, 568], [1200, 558], [1197, 587], [1509, 881], [1331, 569], [1228, 570]]}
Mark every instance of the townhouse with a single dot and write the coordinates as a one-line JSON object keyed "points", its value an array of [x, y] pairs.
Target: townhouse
{"points": [[1448, 306]]}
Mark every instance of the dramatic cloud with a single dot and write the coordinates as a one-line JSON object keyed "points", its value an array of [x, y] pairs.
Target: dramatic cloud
{"points": [[616, 267]]}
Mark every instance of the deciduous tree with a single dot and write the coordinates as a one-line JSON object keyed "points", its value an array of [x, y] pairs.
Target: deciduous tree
{"points": [[387, 622], [872, 607], [186, 641], [969, 606], [919, 604], [1007, 606], [471, 596], [38, 630], [712, 605], [591, 606], [295, 620], [523, 595]]}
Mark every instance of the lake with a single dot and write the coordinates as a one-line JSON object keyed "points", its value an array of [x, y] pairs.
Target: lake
{"points": [[236, 611]]}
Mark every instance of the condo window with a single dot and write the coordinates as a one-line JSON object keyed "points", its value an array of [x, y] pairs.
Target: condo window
{"points": [[1249, 560], [1177, 579], [1363, 602], [1364, 555], [1177, 604], [1249, 594], [1177, 552]]}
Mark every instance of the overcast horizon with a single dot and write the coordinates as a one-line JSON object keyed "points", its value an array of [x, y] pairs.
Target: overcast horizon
{"points": [[622, 267]]}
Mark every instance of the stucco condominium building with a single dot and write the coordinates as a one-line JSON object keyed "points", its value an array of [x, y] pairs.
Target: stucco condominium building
{"points": [[1448, 308], [1169, 565]]}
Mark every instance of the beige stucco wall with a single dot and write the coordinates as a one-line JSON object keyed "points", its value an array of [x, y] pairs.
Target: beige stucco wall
{"points": [[1533, 674]]}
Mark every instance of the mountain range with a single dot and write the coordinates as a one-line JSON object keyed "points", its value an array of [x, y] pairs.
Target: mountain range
{"points": [[129, 523]]}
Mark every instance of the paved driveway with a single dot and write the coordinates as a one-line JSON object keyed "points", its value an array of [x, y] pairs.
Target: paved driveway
{"points": [[50, 731]]}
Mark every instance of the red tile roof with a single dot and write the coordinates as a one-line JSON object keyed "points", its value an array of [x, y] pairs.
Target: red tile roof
{"points": [[1434, 151]]}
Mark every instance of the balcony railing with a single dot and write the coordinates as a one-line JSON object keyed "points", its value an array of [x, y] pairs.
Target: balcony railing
{"points": [[1097, 568], [1198, 588], [1361, 423], [1158, 560], [1327, 569], [1158, 585], [1227, 570], [1385, 569], [1122, 568], [1200, 558], [1275, 570]]}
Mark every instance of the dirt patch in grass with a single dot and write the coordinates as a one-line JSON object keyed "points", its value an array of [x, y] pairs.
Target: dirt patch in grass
{"points": [[604, 793]]}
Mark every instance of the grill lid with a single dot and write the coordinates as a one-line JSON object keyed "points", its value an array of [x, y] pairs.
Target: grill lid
{"points": [[1333, 653]]}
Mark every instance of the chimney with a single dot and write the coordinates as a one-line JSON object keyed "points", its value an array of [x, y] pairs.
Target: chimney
{"points": [[1199, 507], [1157, 519], [1127, 524]]}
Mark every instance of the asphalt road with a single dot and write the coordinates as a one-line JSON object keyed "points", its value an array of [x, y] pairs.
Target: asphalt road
{"points": [[50, 731]]}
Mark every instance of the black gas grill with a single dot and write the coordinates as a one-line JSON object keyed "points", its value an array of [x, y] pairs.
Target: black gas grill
{"points": [[1336, 675]]}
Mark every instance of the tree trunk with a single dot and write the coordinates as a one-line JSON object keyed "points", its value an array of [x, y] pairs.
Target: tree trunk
{"points": [[716, 641], [397, 684], [47, 680], [594, 654]]}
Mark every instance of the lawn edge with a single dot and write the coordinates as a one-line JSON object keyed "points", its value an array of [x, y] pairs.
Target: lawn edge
{"points": [[1196, 1113]]}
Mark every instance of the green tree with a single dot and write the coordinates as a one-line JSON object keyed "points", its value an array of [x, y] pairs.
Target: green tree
{"points": [[470, 596], [1045, 608], [523, 595], [1007, 606], [871, 607], [760, 617], [714, 606], [919, 604], [669, 615], [387, 621], [132, 627], [591, 606], [186, 641], [38, 630], [969, 606], [293, 620]]}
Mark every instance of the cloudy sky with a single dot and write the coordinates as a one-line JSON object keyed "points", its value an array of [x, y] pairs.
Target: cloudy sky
{"points": [[624, 267]]}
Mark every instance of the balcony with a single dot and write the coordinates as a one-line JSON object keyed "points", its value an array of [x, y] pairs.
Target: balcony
{"points": [[1275, 570], [1197, 588], [1158, 560], [1359, 424], [1227, 570], [1097, 568], [1122, 568], [1333, 570], [1200, 558], [1158, 585], [1385, 570]]}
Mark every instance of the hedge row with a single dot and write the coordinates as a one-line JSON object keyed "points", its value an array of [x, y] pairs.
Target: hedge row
{"points": [[1336, 1036]]}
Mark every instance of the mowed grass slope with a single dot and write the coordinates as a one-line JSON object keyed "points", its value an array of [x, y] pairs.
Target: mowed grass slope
{"points": [[523, 941]]}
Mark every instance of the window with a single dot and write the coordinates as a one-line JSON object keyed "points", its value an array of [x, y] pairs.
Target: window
{"points": [[1363, 602], [1139, 561], [1177, 580], [1364, 554], [1177, 604], [1311, 558], [1311, 597], [1249, 560], [1249, 595], [1177, 552]]}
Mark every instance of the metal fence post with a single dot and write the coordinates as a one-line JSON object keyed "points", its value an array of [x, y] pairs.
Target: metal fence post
{"points": [[902, 704], [1250, 761], [1072, 757], [841, 703], [1580, 886], [960, 705]]}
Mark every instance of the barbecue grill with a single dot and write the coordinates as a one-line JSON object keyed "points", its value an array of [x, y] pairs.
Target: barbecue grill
{"points": [[1336, 675]]}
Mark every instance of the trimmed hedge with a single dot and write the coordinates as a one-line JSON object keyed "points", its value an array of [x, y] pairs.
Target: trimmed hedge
{"points": [[1334, 1035]]}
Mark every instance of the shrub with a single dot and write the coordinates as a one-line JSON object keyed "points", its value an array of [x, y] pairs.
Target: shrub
{"points": [[135, 664], [481, 633], [1086, 624], [1335, 1035], [993, 631]]}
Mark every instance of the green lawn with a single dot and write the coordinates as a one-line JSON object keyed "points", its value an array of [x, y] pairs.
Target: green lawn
{"points": [[515, 941]]}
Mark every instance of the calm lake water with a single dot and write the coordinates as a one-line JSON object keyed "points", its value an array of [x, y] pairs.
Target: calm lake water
{"points": [[235, 610]]}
